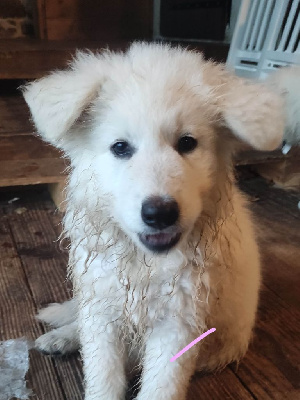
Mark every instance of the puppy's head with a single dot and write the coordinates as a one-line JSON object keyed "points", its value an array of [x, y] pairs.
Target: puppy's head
{"points": [[145, 127]]}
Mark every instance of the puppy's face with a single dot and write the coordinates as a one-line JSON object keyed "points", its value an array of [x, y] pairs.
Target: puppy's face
{"points": [[143, 126], [154, 155]]}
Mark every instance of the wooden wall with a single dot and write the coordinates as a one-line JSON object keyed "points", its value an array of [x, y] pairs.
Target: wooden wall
{"points": [[95, 19]]}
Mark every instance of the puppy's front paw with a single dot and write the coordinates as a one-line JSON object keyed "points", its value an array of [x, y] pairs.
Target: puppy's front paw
{"points": [[57, 342]]}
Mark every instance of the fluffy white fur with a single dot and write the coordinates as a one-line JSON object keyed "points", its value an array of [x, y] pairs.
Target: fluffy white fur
{"points": [[286, 83], [137, 308]]}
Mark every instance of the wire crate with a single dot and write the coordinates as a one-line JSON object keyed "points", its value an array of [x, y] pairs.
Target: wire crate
{"points": [[266, 37]]}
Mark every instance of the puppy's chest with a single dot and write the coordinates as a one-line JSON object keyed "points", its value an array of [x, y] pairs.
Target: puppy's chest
{"points": [[158, 297], [142, 296]]}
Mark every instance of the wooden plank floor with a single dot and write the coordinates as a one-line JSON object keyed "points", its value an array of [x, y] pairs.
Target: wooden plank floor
{"points": [[32, 274], [24, 158]]}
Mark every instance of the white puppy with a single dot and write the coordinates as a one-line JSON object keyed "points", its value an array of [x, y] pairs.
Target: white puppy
{"points": [[162, 245]]}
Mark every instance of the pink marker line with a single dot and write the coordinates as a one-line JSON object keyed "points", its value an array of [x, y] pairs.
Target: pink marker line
{"points": [[186, 348]]}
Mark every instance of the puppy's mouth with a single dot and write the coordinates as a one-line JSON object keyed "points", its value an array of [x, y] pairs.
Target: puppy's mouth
{"points": [[159, 242]]}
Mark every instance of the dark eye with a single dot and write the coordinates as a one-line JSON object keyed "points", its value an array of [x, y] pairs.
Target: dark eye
{"points": [[186, 144], [122, 149]]}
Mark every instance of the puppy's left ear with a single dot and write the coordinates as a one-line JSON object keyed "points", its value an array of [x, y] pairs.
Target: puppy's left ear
{"points": [[252, 113]]}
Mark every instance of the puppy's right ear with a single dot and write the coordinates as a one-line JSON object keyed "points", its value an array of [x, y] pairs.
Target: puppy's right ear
{"points": [[57, 101]]}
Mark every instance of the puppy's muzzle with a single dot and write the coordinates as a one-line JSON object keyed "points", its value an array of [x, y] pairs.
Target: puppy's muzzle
{"points": [[161, 214]]}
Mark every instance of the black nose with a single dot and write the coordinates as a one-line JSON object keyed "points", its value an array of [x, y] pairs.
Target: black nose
{"points": [[159, 213]]}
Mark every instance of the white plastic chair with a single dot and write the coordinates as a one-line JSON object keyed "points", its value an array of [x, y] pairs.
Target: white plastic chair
{"points": [[266, 37]]}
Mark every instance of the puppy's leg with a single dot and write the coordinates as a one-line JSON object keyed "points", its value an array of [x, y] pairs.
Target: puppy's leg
{"points": [[63, 340], [232, 313], [57, 315], [161, 378], [103, 356]]}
